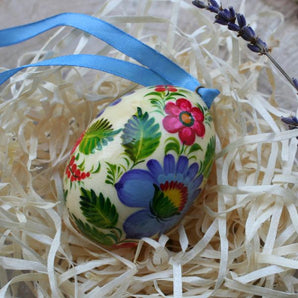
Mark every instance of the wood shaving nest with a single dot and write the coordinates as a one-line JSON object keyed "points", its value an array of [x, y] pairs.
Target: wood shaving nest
{"points": [[239, 240]]}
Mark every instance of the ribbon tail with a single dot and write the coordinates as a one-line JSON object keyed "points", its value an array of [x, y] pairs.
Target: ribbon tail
{"points": [[158, 68], [5, 75], [124, 69]]}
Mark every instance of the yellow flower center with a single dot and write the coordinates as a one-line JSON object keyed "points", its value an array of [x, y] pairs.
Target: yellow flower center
{"points": [[176, 193], [186, 118]]}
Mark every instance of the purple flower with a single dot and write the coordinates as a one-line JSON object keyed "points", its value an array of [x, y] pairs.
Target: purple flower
{"points": [[214, 7], [199, 4], [163, 192], [214, 3], [233, 27], [228, 17], [237, 22], [261, 44], [225, 16], [232, 13], [295, 82], [247, 33], [241, 20], [253, 48], [292, 122]]}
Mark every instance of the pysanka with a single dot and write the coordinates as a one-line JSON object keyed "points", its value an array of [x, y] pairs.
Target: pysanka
{"points": [[139, 166]]}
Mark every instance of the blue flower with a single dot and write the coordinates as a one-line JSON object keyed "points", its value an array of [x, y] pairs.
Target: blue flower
{"points": [[163, 192]]}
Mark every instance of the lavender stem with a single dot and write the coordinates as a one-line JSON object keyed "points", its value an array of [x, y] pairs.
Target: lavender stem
{"points": [[237, 22], [282, 71]]}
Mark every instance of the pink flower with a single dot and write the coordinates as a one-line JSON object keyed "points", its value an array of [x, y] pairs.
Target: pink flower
{"points": [[184, 119], [163, 88]]}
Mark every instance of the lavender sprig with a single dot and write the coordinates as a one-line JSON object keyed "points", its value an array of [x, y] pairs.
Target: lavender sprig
{"points": [[292, 122], [237, 22]]}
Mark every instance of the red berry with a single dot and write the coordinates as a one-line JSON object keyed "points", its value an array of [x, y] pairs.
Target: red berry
{"points": [[73, 168], [160, 89], [72, 160], [72, 179], [172, 89], [88, 174], [77, 173], [83, 175]]}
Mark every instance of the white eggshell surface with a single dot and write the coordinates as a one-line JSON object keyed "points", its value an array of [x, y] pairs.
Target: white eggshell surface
{"points": [[139, 166]]}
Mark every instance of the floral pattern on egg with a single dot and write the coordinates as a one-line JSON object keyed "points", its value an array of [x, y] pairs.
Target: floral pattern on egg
{"points": [[139, 166]]}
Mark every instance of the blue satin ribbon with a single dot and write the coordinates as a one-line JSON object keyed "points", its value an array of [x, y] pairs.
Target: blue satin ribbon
{"points": [[158, 68], [124, 69]]}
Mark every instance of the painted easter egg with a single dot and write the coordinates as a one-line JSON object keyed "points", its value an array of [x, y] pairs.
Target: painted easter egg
{"points": [[139, 166]]}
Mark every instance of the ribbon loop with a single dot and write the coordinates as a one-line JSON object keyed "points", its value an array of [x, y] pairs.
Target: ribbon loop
{"points": [[157, 67]]}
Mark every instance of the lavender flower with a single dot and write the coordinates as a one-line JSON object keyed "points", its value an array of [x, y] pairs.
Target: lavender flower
{"points": [[295, 82], [292, 122], [237, 22], [212, 5], [241, 20], [199, 4], [228, 17], [225, 16]]}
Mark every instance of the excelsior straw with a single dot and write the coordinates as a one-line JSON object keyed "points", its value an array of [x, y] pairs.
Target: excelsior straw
{"points": [[239, 240]]}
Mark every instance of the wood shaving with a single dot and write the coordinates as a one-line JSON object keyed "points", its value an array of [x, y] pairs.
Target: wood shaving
{"points": [[239, 240]]}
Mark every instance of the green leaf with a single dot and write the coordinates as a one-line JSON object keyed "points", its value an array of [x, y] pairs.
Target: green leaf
{"points": [[209, 157], [98, 210], [161, 206], [97, 169], [81, 166], [174, 95], [65, 194], [159, 106], [113, 173], [207, 115], [140, 136], [195, 147], [154, 93], [172, 144], [94, 234], [97, 135]]}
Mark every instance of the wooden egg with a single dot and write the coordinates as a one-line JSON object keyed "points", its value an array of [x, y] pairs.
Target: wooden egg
{"points": [[139, 166]]}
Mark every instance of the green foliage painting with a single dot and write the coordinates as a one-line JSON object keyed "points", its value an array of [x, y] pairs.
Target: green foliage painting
{"points": [[97, 135], [140, 136], [99, 213]]}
